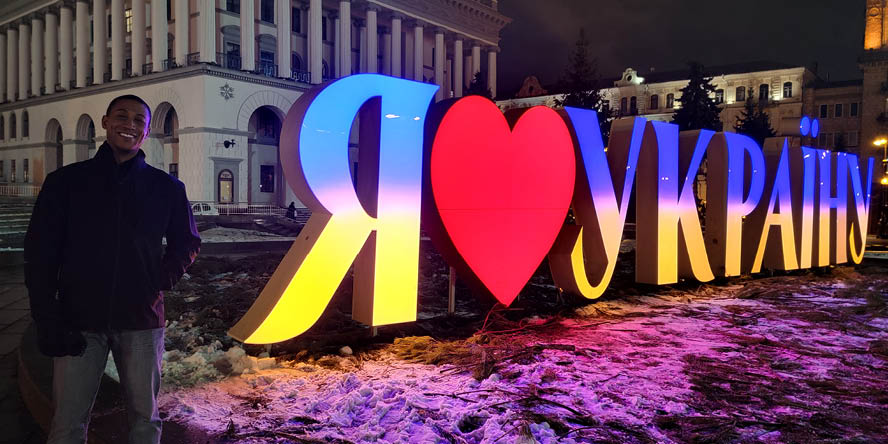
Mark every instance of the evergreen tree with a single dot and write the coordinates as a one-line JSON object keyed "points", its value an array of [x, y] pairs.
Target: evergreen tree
{"points": [[478, 87], [698, 109], [754, 121], [580, 85]]}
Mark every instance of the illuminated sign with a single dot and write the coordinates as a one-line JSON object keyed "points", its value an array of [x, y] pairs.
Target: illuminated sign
{"points": [[493, 191]]}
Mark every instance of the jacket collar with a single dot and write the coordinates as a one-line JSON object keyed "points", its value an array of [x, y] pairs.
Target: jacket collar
{"points": [[105, 157]]}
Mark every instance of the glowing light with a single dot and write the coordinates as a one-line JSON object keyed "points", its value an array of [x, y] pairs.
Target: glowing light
{"points": [[860, 209], [884, 180], [314, 154], [826, 241], [880, 142], [815, 128], [778, 214], [805, 126]]}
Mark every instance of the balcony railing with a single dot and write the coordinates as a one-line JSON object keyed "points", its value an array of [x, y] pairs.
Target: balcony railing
{"points": [[192, 59], [267, 69], [148, 68], [19, 190], [301, 76], [169, 64], [106, 77], [229, 61]]}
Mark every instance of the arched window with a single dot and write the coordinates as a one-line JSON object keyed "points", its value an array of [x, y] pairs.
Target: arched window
{"points": [[12, 125], [741, 93], [763, 92], [25, 131], [655, 102], [719, 96], [787, 90], [226, 186], [266, 11], [623, 106], [633, 105], [2, 128], [296, 62], [670, 100]]}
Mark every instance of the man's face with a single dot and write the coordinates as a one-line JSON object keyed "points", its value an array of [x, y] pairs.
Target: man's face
{"points": [[126, 126]]}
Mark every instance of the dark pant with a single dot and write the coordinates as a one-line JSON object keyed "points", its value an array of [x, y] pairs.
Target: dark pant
{"points": [[137, 354]]}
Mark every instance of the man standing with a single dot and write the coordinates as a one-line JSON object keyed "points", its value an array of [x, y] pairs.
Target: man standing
{"points": [[95, 268]]}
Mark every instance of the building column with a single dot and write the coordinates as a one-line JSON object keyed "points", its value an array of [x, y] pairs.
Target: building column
{"points": [[284, 33], [448, 78], [440, 57], [11, 64], [118, 39], [159, 31], [458, 72], [24, 60], [345, 39], [66, 46], [417, 52], [491, 71], [408, 50], [4, 65], [51, 50], [315, 43], [138, 36], [395, 48], [476, 60], [337, 43], [82, 41], [181, 29], [372, 40], [248, 35], [362, 41], [386, 51], [207, 31], [100, 42], [37, 55]]}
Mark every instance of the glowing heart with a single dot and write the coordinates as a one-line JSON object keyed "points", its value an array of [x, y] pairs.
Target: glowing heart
{"points": [[502, 194]]}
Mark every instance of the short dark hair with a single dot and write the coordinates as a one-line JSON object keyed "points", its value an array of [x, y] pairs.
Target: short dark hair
{"points": [[132, 97]]}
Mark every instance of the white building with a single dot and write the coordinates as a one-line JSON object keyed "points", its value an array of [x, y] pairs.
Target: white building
{"points": [[219, 82]]}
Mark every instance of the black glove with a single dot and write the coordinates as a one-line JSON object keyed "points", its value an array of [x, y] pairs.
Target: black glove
{"points": [[56, 341]]}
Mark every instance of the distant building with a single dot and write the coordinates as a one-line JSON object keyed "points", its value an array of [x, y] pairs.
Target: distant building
{"points": [[219, 83]]}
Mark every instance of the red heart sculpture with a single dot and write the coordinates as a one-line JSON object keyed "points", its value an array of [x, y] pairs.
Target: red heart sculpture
{"points": [[502, 194]]}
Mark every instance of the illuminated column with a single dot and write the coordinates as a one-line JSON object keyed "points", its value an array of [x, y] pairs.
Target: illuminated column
{"points": [[118, 39], [4, 65], [66, 46], [345, 40], [284, 30], [248, 35], [100, 44], [11, 64], [159, 30], [315, 64], [181, 37], [207, 30], [386, 51], [395, 67], [491, 71], [24, 60], [362, 43], [417, 52], [440, 57], [458, 73], [138, 36], [37, 55], [476, 60], [51, 49], [372, 40], [82, 42]]}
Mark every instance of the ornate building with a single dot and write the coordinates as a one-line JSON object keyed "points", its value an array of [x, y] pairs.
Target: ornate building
{"points": [[874, 64], [220, 75]]}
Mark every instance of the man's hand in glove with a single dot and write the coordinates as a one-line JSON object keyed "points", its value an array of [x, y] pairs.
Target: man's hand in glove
{"points": [[58, 341]]}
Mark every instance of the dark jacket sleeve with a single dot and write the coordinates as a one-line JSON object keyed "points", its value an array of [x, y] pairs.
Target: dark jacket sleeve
{"points": [[44, 245], [183, 240]]}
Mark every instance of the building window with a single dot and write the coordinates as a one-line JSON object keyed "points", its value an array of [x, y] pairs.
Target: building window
{"points": [[633, 105], [763, 92], [128, 16], [821, 141], [295, 62], [266, 11], [853, 138], [25, 174], [169, 10], [25, 128], [853, 111], [296, 20], [624, 106], [840, 110], [266, 178], [324, 29], [670, 101], [174, 170], [226, 186], [741, 93], [12, 126], [109, 26], [12, 170], [823, 111], [655, 102], [2, 172], [830, 140], [2, 128], [232, 6], [719, 96], [787, 90]]}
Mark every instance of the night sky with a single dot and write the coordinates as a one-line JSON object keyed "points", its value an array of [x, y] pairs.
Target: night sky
{"points": [[665, 34]]}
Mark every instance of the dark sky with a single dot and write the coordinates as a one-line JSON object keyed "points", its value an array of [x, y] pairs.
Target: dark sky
{"points": [[665, 34]]}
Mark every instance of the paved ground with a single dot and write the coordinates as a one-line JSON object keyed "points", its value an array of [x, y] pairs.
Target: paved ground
{"points": [[16, 423]]}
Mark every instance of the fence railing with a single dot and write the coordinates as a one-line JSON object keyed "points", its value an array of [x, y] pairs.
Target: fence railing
{"points": [[229, 61], [301, 76], [225, 209], [19, 190], [267, 69]]}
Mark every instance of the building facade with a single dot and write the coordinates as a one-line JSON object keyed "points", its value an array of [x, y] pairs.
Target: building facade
{"points": [[219, 75]]}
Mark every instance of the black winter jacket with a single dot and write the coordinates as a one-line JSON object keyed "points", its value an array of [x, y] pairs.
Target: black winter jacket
{"points": [[94, 258]]}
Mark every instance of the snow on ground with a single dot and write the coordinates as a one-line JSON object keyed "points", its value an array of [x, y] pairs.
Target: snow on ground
{"points": [[776, 360], [222, 234]]}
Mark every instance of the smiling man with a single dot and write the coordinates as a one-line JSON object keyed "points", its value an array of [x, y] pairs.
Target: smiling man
{"points": [[96, 268]]}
